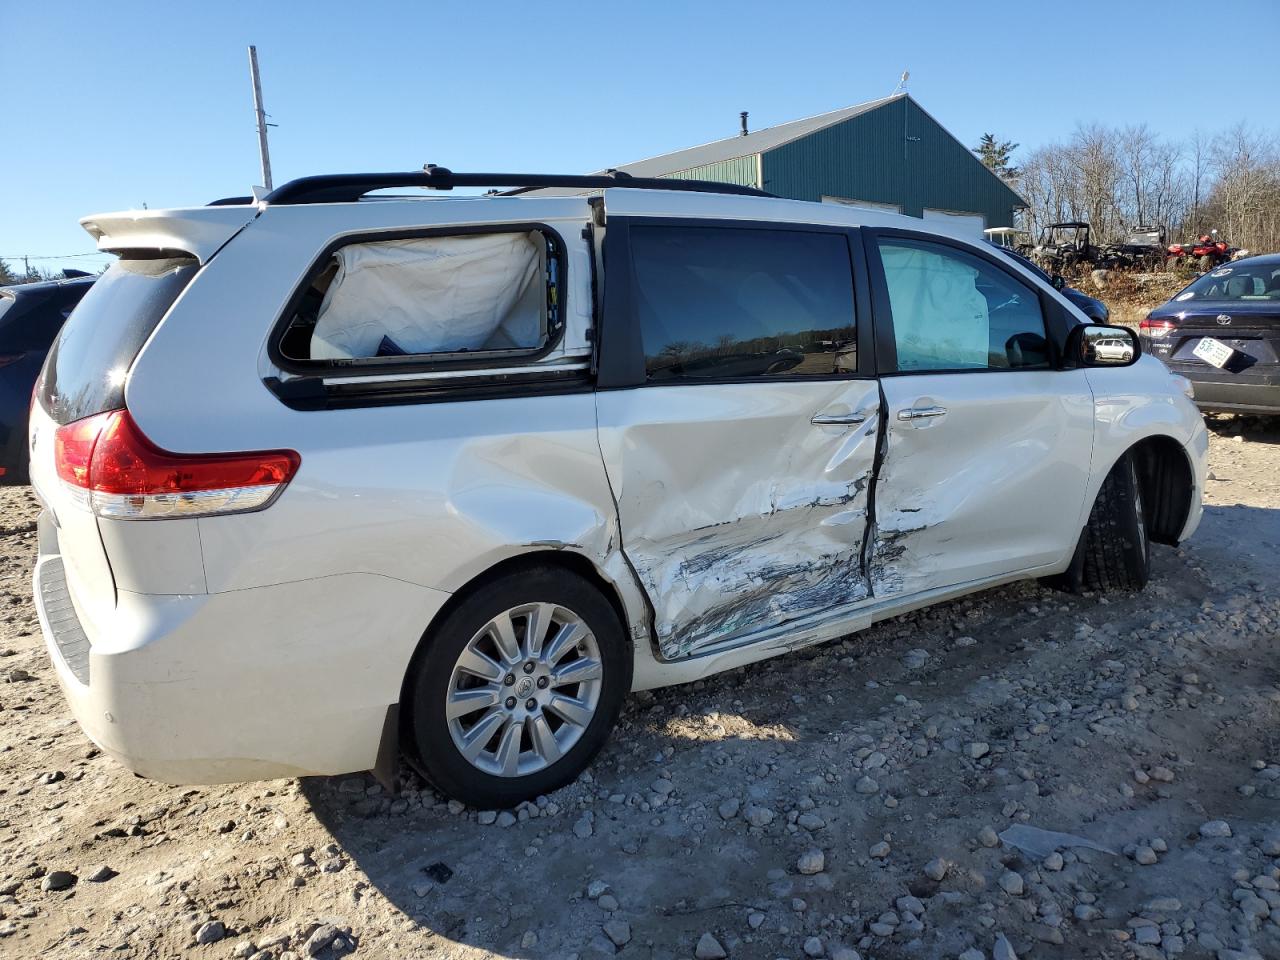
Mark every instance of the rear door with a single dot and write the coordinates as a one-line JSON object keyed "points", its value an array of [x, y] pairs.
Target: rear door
{"points": [[987, 445], [84, 375], [738, 419]]}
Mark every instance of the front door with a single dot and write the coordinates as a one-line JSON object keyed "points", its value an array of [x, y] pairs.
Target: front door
{"points": [[988, 446], [741, 453]]}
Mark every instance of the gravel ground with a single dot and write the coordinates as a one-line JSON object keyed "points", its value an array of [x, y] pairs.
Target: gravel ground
{"points": [[881, 796]]}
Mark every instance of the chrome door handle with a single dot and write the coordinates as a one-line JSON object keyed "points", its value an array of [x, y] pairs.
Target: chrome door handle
{"points": [[920, 413], [827, 419]]}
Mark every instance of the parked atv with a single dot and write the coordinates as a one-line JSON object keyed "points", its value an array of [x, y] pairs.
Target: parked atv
{"points": [[1206, 252], [1064, 246], [1143, 248]]}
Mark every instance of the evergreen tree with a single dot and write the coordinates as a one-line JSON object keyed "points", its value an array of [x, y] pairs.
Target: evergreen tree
{"points": [[995, 156]]}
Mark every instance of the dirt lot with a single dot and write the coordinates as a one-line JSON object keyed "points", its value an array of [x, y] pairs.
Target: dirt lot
{"points": [[845, 801]]}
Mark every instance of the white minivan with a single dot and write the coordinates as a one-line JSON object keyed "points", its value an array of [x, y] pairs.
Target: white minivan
{"points": [[333, 476]]}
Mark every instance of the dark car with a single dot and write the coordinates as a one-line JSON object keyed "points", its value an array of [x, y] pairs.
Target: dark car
{"points": [[31, 314], [1238, 305], [1091, 307]]}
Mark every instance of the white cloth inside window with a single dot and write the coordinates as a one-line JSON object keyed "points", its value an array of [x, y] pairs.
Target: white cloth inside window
{"points": [[940, 318], [434, 295]]}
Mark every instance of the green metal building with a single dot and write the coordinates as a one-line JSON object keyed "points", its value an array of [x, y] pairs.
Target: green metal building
{"points": [[885, 154]]}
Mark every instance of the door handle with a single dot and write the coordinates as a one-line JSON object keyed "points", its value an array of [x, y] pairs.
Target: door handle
{"points": [[839, 419], [921, 413]]}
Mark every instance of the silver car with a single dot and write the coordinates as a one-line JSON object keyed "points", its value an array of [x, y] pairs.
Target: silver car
{"points": [[331, 479]]}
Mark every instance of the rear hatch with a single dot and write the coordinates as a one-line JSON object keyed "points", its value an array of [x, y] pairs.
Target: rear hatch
{"points": [[85, 375], [1250, 328]]}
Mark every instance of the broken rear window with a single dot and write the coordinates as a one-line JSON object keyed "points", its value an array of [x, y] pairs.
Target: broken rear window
{"points": [[481, 295]]}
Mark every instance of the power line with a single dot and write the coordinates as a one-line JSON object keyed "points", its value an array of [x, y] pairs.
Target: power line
{"points": [[65, 256]]}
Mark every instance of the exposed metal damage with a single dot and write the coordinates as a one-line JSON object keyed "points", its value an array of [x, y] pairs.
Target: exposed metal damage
{"points": [[778, 567], [743, 515]]}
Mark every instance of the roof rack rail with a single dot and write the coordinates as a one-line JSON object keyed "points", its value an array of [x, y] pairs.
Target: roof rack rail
{"points": [[349, 187]]}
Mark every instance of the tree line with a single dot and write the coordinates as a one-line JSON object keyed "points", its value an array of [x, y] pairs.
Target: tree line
{"points": [[1122, 178]]}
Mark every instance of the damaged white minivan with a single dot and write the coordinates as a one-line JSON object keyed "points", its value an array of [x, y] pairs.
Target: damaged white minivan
{"points": [[334, 477]]}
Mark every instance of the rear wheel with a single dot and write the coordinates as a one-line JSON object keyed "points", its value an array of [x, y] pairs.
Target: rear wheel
{"points": [[518, 688]]}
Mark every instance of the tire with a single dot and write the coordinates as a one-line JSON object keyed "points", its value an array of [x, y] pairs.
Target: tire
{"points": [[1206, 264], [532, 746], [1113, 552]]}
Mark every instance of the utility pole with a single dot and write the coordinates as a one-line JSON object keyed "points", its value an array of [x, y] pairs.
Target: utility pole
{"points": [[261, 117]]}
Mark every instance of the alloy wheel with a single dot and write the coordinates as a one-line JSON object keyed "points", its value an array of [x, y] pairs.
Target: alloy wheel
{"points": [[524, 690]]}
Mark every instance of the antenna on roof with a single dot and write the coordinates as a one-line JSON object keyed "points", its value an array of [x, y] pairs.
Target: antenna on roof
{"points": [[902, 83]]}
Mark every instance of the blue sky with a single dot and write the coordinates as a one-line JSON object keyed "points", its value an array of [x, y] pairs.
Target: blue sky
{"points": [[115, 105]]}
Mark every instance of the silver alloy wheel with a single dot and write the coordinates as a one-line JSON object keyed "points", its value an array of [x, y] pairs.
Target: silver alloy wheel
{"points": [[524, 689]]}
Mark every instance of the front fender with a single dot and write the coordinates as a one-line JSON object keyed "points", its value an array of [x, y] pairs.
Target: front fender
{"points": [[1132, 404]]}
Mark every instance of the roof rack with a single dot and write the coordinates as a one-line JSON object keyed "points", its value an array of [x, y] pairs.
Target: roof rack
{"points": [[349, 187]]}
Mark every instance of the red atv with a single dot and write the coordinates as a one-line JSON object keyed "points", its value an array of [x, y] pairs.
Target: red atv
{"points": [[1207, 252]]}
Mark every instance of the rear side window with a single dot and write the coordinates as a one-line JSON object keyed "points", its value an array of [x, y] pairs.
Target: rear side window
{"points": [[429, 298], [954, 311], [725, 303], [85, 371]]}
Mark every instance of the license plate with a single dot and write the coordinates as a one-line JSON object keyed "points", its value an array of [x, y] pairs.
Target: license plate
{"points": [[1213, 352]]}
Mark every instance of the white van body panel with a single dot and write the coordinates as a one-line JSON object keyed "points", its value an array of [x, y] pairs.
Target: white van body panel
{"points": [[211, 641]]}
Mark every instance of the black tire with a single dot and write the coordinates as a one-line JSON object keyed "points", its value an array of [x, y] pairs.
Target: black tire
{"points": [[428, 744], [1114, 552]]}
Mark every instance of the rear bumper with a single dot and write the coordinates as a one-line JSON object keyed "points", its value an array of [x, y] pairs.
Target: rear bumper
{"points": [[1259, 393], [278, 681]]}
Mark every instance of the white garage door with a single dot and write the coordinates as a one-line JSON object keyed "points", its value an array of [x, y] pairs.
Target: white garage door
{"points": [[971, 224], [864, 204]]}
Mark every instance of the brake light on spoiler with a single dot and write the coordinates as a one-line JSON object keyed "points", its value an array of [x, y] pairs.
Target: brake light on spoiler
{"points": [[117, 472]]}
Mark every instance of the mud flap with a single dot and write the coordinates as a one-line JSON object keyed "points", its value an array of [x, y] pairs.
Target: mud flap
{"points": [[386, 768]]}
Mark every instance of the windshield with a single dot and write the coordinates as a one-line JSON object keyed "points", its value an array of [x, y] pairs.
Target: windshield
{"points": [[1239, 281]]}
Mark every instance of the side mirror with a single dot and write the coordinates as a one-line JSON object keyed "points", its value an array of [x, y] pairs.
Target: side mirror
{"points": [[1059, 281], [1102, 345]]}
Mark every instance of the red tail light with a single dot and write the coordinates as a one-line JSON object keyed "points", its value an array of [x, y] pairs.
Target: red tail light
{"points": [[1157, 328], [125, 475]]}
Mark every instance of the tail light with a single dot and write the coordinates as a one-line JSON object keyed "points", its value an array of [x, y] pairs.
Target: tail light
{"points": [[1156, 328], [117, 472]]}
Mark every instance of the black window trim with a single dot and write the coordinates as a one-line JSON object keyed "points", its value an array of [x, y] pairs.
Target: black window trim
{"points": [[1058, 320], [621, 362], [389, 366]]}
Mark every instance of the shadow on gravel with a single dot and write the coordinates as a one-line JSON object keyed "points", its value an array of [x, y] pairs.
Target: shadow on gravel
{"points": [[521, 886], [693, 817], [1252, 429]]}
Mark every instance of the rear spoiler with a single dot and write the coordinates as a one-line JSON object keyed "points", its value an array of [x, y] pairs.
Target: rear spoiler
{"points": [[197, 231]]}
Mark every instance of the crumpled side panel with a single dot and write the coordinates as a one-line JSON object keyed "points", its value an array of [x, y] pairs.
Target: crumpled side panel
{"points": [[739, 514]]}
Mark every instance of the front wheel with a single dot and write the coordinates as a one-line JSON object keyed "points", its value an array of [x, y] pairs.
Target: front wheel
{"points": [[1113, 552], [518, 688]]}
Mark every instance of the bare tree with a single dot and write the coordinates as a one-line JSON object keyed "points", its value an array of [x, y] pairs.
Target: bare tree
{"points": [[1119, 179]]}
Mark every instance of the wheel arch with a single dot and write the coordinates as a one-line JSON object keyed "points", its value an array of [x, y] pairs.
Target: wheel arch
{"points": [[1167, 478], [1168, 486], [571, 561]]}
